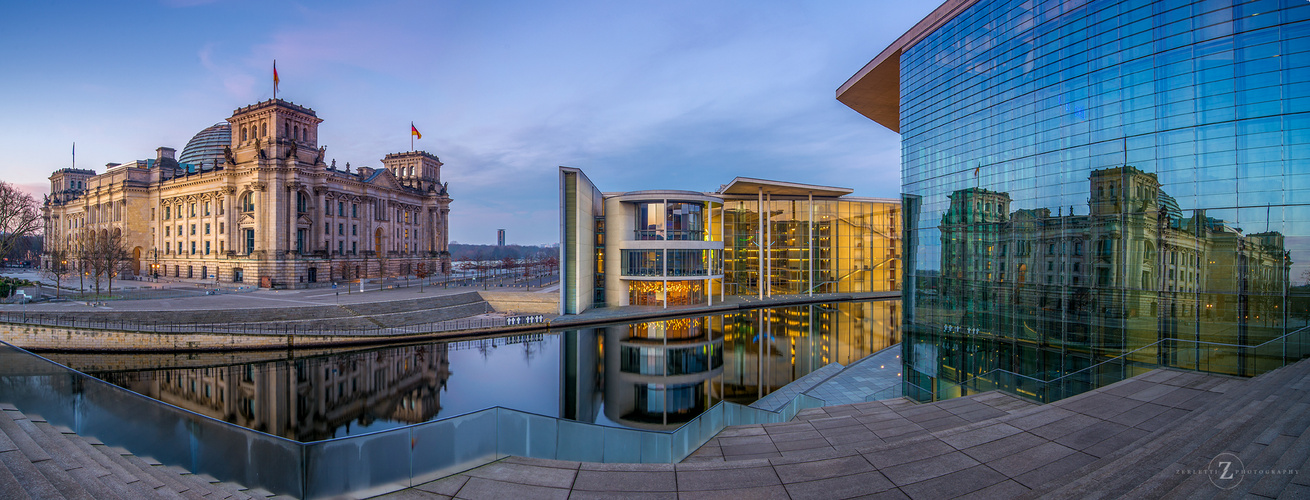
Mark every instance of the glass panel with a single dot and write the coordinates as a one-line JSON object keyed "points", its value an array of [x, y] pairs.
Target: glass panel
{"points": [[373, 461], [447, 446]]}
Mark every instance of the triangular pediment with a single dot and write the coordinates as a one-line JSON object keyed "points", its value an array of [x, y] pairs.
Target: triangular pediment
{"points": [[245, 217], [384, 178]]}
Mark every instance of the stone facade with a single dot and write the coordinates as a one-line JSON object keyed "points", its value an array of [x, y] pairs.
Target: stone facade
{"points": [[272, 213]]}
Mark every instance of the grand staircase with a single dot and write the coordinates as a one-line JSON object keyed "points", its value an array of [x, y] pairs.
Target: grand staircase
{"points": [[42, 461]]}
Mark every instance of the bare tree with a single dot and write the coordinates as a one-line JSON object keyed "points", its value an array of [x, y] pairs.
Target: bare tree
{"points": [[114, 253], [83, 253], [57, 267], [19, 216]]}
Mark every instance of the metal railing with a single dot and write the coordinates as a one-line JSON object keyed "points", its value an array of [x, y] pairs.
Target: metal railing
{"points": [[271, 328]]}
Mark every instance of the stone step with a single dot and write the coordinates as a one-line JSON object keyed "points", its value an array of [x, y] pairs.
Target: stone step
{"points": [[38, 458], [114, 468], [147, 481], [171, 481], [10, 485], [87, 473], [32, 481]]}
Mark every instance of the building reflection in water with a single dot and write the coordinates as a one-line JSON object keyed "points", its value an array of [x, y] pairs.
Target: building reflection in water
{"points": [[1047, 292], [307, 399], [651, 375], [658, 375]]}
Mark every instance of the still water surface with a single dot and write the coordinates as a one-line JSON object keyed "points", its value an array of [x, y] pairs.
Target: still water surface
{"points": [[648, 375]]}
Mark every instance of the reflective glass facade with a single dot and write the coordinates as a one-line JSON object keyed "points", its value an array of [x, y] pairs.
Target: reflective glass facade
{"points": [[1088, 179], [824, 246]]}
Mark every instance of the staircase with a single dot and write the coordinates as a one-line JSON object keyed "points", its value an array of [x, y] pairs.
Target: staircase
{"points": [[42, 461]]}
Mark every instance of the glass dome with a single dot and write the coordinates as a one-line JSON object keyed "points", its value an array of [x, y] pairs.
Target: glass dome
{"points": [[207, 146]]}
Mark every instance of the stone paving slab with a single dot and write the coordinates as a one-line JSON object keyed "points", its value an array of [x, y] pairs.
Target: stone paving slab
{"points": [[982, 446]]}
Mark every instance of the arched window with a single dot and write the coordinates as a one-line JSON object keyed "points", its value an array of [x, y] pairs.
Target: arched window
{"points": [[263, 129], [295, 132], [302, 202], [243, 134], [247, 202]]}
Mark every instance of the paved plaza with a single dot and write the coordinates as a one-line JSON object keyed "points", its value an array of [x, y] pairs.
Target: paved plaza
{"points": [[1145, 437]]}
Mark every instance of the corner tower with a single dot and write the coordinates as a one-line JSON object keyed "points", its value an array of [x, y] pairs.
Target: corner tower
{"points": [[418, 169]]}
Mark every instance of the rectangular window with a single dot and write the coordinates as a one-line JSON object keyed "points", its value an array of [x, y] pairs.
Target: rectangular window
{"points": [[341, 208], [206, 228], [354, 210], [341, 229], [220, 228], [250, 241], [193, 210], [354, 230], [327, 228], [206, 248], [193, 248], [168, 211], [193, 229], [353, 249], [206, 208], [341, 247], [168, 231]]}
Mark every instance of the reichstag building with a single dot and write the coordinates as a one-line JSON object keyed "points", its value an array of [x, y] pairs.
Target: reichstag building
{"points": [[255, 201]]}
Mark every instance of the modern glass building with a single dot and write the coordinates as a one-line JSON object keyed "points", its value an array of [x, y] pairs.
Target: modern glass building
{"points": [[1092, 187], [667, 247]]}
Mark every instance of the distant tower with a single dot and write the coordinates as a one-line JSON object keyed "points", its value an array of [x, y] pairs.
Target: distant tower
{"points": [[500, 237], [419, 169]]}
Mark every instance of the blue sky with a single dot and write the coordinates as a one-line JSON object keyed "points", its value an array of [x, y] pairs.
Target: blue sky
{"points": [[640, 95]]}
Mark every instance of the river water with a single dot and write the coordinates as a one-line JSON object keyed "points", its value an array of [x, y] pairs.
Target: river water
{"points": [[648, 375]]}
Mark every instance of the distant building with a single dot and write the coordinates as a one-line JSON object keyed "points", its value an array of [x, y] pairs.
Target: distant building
{"points": [[500, 237], [265, 208], [665, 247]]}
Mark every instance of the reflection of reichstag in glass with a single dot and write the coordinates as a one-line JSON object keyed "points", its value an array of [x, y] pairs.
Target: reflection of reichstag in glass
{"points": [[1131, 270], [1098, 182]]}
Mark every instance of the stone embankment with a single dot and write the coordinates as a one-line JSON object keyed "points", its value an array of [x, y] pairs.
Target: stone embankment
{"points": [[313, 326], [353, 316]]}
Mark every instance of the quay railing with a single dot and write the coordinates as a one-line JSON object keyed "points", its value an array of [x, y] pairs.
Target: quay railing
{"points": [[269, 328], [362, 465]]}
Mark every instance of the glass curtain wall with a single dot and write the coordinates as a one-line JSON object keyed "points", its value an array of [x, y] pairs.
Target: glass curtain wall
{"points": [[852, 246], [1119, 178]]}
